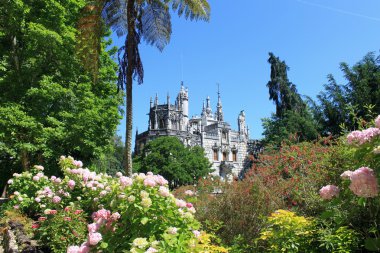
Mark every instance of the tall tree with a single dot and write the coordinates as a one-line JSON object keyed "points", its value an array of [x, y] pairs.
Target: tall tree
{"points": [[146, 19], [292, 117], [48, 106], [351, 104], [283, 93]]}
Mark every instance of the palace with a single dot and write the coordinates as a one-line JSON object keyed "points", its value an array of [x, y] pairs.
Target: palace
{"points": [[226, 149]]}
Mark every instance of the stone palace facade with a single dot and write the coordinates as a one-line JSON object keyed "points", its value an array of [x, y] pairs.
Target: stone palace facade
{"points": [[226, 148]]}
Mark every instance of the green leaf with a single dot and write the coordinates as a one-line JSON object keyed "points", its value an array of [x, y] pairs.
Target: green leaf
{"points": [[372, 244], [104, 245]]}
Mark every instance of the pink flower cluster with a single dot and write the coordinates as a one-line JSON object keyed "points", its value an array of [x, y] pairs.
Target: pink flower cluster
{"points": [[364, 183], [101, 217], [377, 121], [84, 248], [152, 180], [361, 137], [328, 192]]}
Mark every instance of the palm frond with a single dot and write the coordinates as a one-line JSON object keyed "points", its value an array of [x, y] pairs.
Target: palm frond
{"points": [[90, 28], [193, 9], [138, 70], [115, 16], [156, 24]]}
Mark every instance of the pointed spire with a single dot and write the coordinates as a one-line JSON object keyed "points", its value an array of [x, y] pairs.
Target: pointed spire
{"points": [[219, 100], [219, 111], [203, 108], [182, 87], [151, 102], [156, 100], [168, 99]]}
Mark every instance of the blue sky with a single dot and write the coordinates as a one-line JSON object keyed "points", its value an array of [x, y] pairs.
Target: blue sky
{"points": [[312, 36]]}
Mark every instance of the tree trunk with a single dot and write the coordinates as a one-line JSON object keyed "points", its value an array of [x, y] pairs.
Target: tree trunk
{"points": [[24, 160], [130, 67]]}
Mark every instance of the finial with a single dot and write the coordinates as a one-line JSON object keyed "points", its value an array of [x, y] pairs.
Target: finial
{"points": [[156, 100]]}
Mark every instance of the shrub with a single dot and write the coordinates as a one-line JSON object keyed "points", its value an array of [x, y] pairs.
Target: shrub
{"points": [[295, 173], [288, 232], [237, 211], [135, 213]]}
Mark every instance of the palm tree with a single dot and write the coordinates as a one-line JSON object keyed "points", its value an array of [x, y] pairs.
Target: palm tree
{"points": [[146, 19]]}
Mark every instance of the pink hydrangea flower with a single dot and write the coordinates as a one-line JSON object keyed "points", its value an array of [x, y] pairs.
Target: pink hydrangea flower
{"points": [[149, 182], [346, 175], [93, 227], [39, 167], [361, 137], [84, 249], [71, 184], [328, 191], [180, 203], [10, 181], [189, 193], [196, 233], [38, 200], [377, 121], [73, 249], [36, 178], [164, 191], [161, 180], [172, 230], [56, 199], [119, 174], [115, 216], [189, 205], [94, 238], [364, 183], [151, 250], [78, 164], [101, 214], [125, 181]]}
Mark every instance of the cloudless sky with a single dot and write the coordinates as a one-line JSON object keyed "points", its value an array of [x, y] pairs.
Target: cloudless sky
{"points": [[312, 36]]}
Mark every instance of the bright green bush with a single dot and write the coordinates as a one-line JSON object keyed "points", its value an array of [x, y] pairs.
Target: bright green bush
{"points": [[287, 232]]}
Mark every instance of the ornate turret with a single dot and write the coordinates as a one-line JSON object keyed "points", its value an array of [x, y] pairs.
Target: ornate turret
{"points": [[219, 111], [208, 107]]}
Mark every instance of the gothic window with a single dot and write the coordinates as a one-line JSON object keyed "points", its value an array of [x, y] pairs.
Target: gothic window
{"points": [[216, 158], [224, 135], [224, 156], [234, 156], [162, 124]]}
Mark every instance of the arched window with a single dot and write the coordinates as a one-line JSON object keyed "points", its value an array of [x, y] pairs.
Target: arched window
{"points": [[224, 156], [216, 158], [234, 155]]}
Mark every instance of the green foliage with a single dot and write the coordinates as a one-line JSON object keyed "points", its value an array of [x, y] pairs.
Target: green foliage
{"points": [[112, 160], [48, 104], [288, 232], [65, 227], [292, 128], [342, 240], [359, 98], [168, 157], [292, 115]]}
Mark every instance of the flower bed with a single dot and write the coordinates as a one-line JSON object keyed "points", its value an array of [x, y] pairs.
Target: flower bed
{"points": [[83, 211]]}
